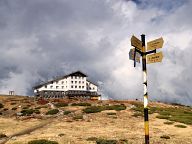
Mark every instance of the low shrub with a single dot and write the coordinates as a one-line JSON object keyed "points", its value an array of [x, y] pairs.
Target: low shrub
{"points": [[5, 109], [116, 107], [91, 139], [1, 105], [111, 113], [14, 108], [162, 117], [42, 141], [61, 134], [27, 112], [103, 141], [1, 113], [80, 104], [40, 107], [169, 122], [36, 111], [61, 104], [93, 109], [52, 112], [180, 126], [2, 135], [165, 137], [78, 117], [66, 112], [123, 141]]}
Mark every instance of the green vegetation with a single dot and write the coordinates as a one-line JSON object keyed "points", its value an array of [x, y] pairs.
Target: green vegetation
{"points": [[78, 117], [36, 111], [165, 137], [116, 107], [104, 141], [66, 112], [95, 109], [80, 104], [1, 105], [27, 112], [169, 122], [180, 126], [40, 107], [52, 112], [163, 117], [180, 114], [61, 105], [42, 141]]}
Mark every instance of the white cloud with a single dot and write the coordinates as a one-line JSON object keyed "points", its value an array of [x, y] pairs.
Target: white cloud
{"points": [[46, 38]]}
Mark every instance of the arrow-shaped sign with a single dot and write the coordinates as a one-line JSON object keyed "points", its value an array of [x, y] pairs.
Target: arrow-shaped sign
{"points": [[136, 43], [153, 58], [155, 44]]}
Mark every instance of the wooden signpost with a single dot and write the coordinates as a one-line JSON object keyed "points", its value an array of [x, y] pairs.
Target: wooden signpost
{"points": [[149, 56]]}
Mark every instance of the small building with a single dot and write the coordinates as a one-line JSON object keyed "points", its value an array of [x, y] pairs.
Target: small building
{"points": [[74, 85]]}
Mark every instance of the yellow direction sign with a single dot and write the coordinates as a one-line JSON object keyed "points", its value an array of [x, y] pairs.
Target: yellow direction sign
{"points": [[155, 44], [153, 58], [136, 43]]}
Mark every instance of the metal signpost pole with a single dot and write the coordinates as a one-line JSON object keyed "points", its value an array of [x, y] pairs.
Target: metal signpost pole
{"points": [[144, 66], [152, 57]]}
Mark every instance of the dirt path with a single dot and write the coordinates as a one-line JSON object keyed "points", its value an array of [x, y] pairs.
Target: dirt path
{"points": [[26, 131]]}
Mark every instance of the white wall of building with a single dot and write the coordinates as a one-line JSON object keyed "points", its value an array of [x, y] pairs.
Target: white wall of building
{"points": [[69, 83], [91, 87]]}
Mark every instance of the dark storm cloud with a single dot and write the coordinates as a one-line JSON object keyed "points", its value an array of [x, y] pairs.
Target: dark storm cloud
{"points": [[49, 38]]}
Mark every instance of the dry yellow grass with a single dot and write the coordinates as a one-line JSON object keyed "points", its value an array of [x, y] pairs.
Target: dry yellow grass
{"points": [[101, 125]]}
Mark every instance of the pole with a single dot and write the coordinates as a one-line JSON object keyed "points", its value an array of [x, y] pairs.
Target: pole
{"points": [[144, 66]]}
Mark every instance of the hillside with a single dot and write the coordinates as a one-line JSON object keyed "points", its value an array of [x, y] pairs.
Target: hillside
{"points": [[24, 119]]}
